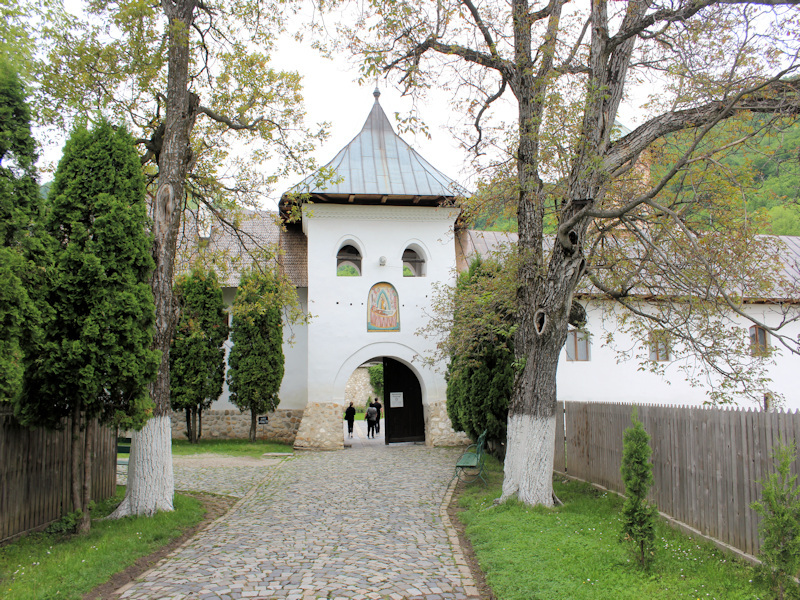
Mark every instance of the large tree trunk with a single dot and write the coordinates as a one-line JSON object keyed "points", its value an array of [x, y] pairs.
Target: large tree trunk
{"points": [[150, 479], [151, 485]]}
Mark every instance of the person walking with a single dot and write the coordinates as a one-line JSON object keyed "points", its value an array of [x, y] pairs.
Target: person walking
{"points": [[378, 406], [350, 416], [372, 419]]}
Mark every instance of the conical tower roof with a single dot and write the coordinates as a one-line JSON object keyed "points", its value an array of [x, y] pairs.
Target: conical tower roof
{"points": [[377, 167]]}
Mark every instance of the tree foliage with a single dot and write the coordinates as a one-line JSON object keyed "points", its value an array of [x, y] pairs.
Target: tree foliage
{"points": [[22, 247], [197, 354], [96, 360], [569, 66], [376, 380], [256, 361], [481, 372], [193, 81], [638, 515], [779, 508]]}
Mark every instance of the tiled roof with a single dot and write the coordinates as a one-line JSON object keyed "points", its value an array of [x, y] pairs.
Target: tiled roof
{"points": [[231, 250], [294, 255], [471, 243]]}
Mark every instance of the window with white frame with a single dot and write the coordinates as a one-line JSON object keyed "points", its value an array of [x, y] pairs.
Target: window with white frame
{"points": [[659, 346], [759, 340], [578, 345]]}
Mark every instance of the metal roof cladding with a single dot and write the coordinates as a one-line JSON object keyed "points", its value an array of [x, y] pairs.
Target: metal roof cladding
{"points": [[378, 165]]}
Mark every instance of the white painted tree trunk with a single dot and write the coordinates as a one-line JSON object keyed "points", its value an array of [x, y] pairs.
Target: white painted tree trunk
{"points": [[151, 486], [529, 459]]}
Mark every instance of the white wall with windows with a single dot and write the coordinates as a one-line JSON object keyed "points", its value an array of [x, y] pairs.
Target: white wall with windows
{"points": [[376, 240], [610, 368]]}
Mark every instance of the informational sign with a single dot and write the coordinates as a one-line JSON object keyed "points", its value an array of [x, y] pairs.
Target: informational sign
{"points": [[395, 399], [263, 420]]}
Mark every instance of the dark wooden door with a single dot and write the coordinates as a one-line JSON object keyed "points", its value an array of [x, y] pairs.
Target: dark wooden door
{"points": [[404, 419]]}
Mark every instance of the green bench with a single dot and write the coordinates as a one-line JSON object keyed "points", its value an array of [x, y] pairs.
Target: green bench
{"points": [[470, 465], [123, 445]]}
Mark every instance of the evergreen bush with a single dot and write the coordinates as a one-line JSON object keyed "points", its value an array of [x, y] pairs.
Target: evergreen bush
{"points": [[256, 360], [197, 354], [481, 374], [638, 515], [779, 509]]}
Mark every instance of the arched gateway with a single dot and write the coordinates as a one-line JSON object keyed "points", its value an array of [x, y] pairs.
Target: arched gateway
{"points": [[379, 235], [365, 251]]}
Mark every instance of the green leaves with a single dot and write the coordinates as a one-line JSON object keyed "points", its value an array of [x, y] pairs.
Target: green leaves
{"points": [[197, 355], [638, 515], [256, 359], [779, 508], [96, 355], [22, 250], [481, 372]]}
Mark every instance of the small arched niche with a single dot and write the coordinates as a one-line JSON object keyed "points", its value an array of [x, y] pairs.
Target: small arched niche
{"points": [[348, 261], [413, 262]]}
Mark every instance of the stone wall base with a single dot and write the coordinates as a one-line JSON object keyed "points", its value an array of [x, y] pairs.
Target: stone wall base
{"points": [[438, 429], [235, 425], [321, 428], [318, 427]]}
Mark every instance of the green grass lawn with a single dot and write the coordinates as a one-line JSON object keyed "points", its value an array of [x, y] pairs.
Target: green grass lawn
{"points": [[47, 566], [228, 447], [573, 551]]}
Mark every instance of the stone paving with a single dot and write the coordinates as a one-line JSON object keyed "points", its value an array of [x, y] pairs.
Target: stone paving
{"points": [[366, 523]]}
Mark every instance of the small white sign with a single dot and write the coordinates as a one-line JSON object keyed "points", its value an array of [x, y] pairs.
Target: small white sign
{"points": [[395, 399]]}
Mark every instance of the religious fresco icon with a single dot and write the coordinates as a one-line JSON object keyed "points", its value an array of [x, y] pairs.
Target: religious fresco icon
{"points": [[383, 308]]}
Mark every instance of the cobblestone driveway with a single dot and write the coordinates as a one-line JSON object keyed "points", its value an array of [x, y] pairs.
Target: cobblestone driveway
{"points": [[365, 522]]}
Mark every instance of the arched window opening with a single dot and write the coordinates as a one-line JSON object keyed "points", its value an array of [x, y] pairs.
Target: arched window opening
{"points": [[348, 262], [413, 264]]}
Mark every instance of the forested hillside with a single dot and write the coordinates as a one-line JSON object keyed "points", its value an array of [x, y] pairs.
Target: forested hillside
{"points": [[772, 164]]}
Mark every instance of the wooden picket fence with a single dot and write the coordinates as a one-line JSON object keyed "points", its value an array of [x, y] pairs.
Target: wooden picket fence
{"points": [[35, 474], [707, 462]]}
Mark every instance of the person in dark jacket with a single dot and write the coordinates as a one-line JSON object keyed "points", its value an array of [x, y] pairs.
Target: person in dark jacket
{"points": [[372, 419], [378, 406], [349, 416]]}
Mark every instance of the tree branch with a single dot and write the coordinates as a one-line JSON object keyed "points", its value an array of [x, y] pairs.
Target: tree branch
{"points": [[776, 96], [236, 126]]}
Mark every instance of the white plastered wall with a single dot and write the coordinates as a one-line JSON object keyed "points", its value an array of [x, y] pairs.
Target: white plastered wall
{"points": [[338, 340], [606, 378], [293, 393]]}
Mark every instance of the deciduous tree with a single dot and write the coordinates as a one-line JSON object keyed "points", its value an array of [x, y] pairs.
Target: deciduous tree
{"points": [[568, 67], [96, 360], [197, 355]]}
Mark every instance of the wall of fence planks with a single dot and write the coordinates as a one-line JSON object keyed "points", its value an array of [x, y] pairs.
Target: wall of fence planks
{"points": [[707, 462], [35, 474]]}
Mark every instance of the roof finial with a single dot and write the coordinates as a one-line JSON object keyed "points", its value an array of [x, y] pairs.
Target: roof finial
{"points": [[376, 93]]}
